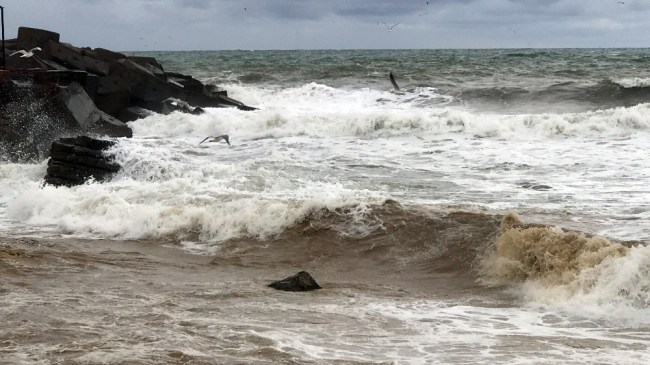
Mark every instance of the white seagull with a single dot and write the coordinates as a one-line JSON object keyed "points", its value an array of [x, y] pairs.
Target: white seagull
{"points": [[217, 139], [26, 54], [390, 27]]}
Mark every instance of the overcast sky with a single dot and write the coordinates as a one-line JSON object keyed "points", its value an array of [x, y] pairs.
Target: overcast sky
{"points": [[126, 25]]}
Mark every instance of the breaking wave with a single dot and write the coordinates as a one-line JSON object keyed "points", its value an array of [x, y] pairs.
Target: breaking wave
{"points": [[307, 111], [570, 269], [633, 82]]}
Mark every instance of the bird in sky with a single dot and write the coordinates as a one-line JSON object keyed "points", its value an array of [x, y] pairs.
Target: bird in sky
{"points": [[390, 27], [26, 54]]}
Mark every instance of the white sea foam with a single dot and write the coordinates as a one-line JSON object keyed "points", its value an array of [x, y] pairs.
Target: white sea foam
{"points": [[430, 332], [616, 291], [489, 331], [315, 147], [177, 191], [321, 111], [165, 210], [632, 82]]}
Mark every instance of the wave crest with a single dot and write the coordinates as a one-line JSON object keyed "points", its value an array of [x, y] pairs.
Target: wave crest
{"points": [[633, 82], [545, 253], [556, 266]]}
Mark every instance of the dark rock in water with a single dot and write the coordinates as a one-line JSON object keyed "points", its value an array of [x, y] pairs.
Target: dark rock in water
{"points": [[302, 281], [75, 160], [533, 186]]}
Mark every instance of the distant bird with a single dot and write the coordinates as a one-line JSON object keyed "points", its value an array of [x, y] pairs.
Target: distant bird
{"points": [[217, 139], [620, 2], [392, 80], [390, 27], [26, 54]]}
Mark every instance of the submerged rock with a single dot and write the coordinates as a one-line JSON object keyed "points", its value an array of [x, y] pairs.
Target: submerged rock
{"points": [[302, 281]]}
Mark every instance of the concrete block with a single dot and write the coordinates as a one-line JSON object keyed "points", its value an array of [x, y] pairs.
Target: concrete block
{"points": [[150, 63], [89, 117], [78, 58], [113, 93], [91, 85], [29, 38], [214, 90], [108, 56], [145, 86], [62, 78], [134, 113], [189, 83]]}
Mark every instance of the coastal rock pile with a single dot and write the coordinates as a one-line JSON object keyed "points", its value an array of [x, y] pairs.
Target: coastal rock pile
{"points": [[62, 90], [74, 161]]}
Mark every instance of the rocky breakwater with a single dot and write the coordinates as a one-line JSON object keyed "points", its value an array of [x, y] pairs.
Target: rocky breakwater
{"points": [[59, 90]]}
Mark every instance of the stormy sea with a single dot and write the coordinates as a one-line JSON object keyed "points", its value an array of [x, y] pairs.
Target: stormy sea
{"points": [[493, 210]]}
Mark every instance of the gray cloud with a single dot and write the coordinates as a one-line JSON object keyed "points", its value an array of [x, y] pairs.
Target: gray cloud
{"points": [[197, 4], [282, 24]]}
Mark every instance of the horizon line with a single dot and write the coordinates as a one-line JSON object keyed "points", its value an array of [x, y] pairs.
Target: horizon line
{"points": [[387, 49]]}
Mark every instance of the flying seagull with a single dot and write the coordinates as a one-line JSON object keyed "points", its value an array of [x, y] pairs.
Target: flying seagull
{"points": [[217, 139], [392, 80], [26, 54], [390, 27]]}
